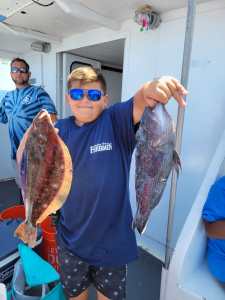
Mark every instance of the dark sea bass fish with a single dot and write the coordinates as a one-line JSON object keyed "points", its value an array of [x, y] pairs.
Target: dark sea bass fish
{"points": [[45, 173], [155, 157]]}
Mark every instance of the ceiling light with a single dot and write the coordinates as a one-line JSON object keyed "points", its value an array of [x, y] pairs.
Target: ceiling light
{"points": [[41, 47]]}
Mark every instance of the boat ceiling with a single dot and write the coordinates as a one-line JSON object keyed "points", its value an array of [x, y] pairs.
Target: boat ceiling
{"points": [[23, 21]]}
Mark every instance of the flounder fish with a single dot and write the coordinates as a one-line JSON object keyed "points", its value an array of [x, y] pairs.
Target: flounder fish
{"points": [[45, 169], [155, 157]]}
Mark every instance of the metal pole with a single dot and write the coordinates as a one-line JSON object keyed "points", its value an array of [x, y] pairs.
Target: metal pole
{"points": [[180, 121]]}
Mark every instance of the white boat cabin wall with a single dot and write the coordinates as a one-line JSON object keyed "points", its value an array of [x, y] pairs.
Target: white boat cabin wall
{"points": [[130, 58]]}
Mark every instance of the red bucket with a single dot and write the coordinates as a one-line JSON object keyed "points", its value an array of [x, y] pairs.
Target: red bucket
{"points": [[13, 212], [48, 247]]}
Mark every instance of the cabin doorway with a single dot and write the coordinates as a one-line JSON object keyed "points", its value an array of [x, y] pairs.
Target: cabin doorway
{"points": [[107, 57]]}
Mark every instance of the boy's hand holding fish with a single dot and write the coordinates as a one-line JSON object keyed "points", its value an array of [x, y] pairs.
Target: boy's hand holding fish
{"points": [[158, 91]]}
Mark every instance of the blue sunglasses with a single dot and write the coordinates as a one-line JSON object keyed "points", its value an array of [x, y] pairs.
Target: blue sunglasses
{"points": [[78, 94], [19, 70]]}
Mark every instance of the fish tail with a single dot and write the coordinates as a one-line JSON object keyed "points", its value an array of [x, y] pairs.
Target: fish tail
{"points": [[176, 162], [27, 233], [139, 223]]}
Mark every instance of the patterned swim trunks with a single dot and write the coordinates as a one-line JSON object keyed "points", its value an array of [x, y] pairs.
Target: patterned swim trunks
{"points": [[77, 276]]}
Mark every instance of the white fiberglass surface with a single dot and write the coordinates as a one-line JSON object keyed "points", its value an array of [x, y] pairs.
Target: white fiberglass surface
{"points": [[5, 85], [204, 115]]}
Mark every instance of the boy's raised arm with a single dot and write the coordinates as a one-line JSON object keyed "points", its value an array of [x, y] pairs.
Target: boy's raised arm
{"points": [[160, 90]]}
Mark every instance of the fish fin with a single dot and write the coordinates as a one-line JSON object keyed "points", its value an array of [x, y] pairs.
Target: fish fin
{"points": [[137, 223], [27, 233], [176, 162]]}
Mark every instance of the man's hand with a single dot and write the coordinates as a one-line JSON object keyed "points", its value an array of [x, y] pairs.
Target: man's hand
{"points": [[162, 89], [157, 91]]}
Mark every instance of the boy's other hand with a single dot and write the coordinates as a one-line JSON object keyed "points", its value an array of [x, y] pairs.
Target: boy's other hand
{"points": [[162, 89]]}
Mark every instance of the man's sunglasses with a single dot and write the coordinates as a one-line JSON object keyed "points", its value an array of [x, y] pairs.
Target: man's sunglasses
{"points": [[18, 70], [78, 94]]}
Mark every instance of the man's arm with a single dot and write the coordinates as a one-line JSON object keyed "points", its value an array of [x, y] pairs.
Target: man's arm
{"points": [[215, 229], [3, 116], [160, 90]]}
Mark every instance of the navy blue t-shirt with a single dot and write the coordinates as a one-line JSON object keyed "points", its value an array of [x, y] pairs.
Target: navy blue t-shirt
{"points": [[96, 219], [214, 210]]}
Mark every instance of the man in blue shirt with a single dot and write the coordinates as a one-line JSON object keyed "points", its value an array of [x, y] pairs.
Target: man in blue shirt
{"points": [[19, 107], [94, 232], [214, 219]]}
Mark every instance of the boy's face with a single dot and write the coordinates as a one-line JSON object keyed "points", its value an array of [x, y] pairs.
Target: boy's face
{"points": [[85, 110]]}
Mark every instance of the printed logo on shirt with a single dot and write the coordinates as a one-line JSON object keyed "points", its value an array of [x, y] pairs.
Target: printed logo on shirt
{"points": [[26, 100], [101, 147]]}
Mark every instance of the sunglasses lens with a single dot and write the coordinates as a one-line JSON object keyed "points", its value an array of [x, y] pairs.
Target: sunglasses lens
{"points": [[18, 70], [13, 69], [94, 95], [76, 94]]}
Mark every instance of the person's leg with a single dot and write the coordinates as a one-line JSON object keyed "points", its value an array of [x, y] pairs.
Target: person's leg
{"points": [[110, 282], [83, 296], [74, 274], [100, 296]]}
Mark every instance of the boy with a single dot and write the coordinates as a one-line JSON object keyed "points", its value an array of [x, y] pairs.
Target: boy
{"points": [[214, 220], [95, 236]]}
